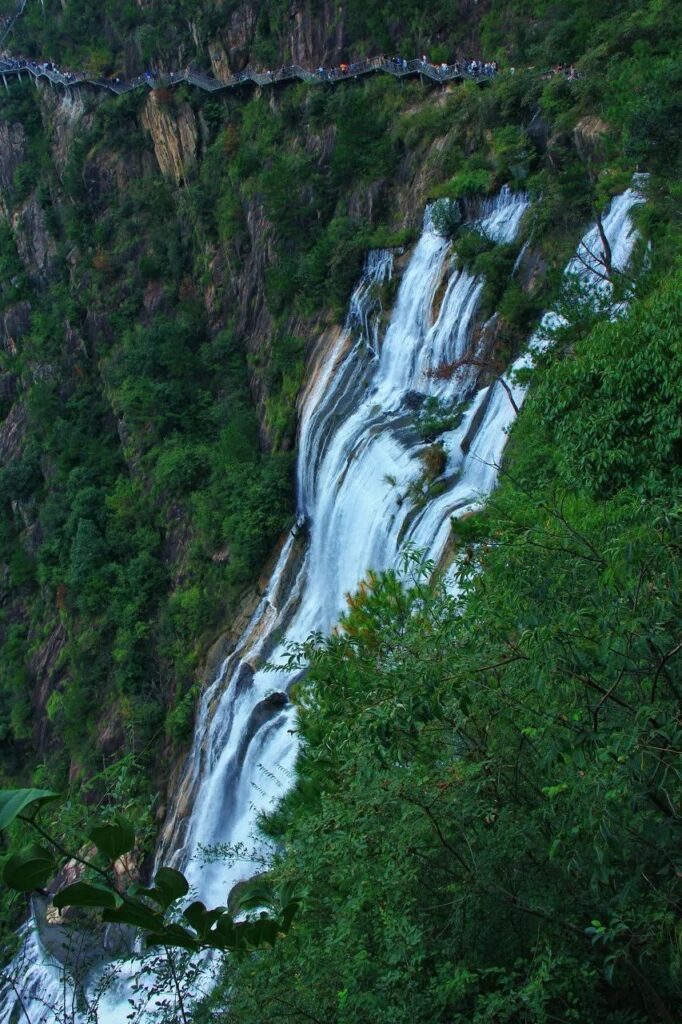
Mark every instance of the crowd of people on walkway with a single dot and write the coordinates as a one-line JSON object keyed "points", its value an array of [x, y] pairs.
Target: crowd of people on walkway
{"points": [[475, 69], [11, 63], [400, 65]]}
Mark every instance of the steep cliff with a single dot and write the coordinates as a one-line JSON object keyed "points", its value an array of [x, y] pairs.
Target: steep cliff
{"points": [[229, 35], [481, 822], [169, 259]]}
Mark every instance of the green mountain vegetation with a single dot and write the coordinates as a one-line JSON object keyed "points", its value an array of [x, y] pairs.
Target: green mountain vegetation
{"points": [[486, 808], [109, 35], [484, 824]]}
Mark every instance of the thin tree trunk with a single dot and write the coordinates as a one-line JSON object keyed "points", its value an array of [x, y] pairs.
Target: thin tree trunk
{"points": [[509, 395], [606, 248]]}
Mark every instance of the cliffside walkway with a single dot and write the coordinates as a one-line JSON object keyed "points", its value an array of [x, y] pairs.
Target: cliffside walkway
{"points": [[12, 68]]}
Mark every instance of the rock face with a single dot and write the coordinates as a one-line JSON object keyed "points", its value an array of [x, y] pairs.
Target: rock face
{"points": [[317, 32], [589, 136], [230, 51], [65, 116], [174, 133], [47, 672], [12, 153], [35, 245], [12, 433], [14, 323], [314, 33]]}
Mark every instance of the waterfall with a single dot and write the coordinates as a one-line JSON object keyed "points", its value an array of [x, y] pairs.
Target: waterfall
{"points": [[359, 476], [358, 461]]}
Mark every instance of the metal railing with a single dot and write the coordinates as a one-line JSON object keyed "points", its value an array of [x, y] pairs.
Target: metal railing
{"points": [[395, 67]]}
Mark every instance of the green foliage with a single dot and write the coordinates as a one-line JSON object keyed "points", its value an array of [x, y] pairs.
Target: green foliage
{"points": [[156, 909], [29, 868], [435, 417], [616, 411], [114, 838], [495, 771], [481, 828], [447, 217], [14, 802]]}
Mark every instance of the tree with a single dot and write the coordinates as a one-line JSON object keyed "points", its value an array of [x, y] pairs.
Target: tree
{"points": [[447, 370]]}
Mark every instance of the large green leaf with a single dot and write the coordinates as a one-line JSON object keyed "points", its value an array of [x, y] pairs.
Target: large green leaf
{"points": [[201, 919], [88, 894], [169, 885], [14, 801], [134, 912], [30, 868], [253, 895], [172, 882], [288, 914], [254, 934], [173, 935], [115, 838]]}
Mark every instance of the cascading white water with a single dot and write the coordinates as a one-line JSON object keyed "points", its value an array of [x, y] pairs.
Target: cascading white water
{"points": [[355, 468], [359, 462]]}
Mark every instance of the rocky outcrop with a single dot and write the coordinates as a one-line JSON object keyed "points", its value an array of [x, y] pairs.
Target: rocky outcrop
{"points": [[12, 433], [311, 34], [12, 154], [589, 136], [65, 117], [14, 323], [531, 269], [47, 672], [316, 32], [36, 247], [220, 61], [174, 133]]}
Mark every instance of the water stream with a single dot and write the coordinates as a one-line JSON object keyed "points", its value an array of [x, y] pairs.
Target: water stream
{"points": [[360, 485]]}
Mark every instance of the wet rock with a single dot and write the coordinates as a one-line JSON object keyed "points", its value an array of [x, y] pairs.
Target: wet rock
{"points": [[531, 270], [317, 32], [238, 58], [263, 712], [244, 678], [539, 130], [106, 170], [274, 702], [111, 736], [45, 669], [413, 400], [476, 421], [64, 114], [230, 61]]}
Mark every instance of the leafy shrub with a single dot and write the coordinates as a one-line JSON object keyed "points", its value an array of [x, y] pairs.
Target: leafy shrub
{"points": [[617, 409]]}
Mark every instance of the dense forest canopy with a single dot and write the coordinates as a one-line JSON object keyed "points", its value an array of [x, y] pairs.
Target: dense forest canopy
{"points": [[484, 822], [109, 33]]}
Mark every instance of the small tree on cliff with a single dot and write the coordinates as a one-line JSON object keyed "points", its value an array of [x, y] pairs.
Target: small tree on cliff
{"points": [[447, 370]]}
